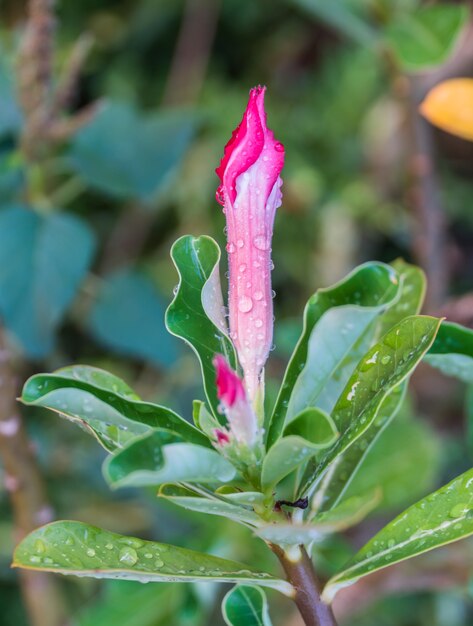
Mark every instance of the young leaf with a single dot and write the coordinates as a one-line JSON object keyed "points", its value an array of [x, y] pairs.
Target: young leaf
{"points": [[382, 369], [161, 456], [196, 313], [246, 605], [425, 37], [452, 351], [335, 319], [104, 405], [311, 431], [82, 550], [348, 513], [440, 518], [38, 287], [214, 504]]}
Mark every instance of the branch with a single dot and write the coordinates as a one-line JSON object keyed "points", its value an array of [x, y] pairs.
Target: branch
{"points": [[301, 575]]}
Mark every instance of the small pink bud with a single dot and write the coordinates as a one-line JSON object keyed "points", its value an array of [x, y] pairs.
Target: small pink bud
{"points": [[222, 437], [238, 410], [250, 193]]}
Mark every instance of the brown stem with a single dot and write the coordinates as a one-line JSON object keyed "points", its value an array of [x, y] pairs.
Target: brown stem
{"points": [[302, 576], [430, 235], [27, 495]]}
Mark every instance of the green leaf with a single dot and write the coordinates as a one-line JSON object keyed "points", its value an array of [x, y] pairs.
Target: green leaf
{"points": [[228, 505], [38, 287], [196, 313], [382, 369], [314, 425], [127, 154], [348, 513], [82, 550], [162, 456], [440, 518], [406, 447], [128, 603], [246, 605], [335, 319], [342, 15], [426, 37], [104, 405], [410, 297], [349, 464], [126, 318], [452, 351], [293, 449]]}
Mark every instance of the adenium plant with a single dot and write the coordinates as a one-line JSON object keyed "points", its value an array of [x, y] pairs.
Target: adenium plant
{"points": [[284, 471]]}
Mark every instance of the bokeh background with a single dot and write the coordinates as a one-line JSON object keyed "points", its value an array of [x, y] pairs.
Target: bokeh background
{"points": [[113, 117]]}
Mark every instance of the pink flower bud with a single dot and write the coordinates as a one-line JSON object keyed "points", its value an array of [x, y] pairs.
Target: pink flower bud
{"points": [[238, 410], [250, 193]]}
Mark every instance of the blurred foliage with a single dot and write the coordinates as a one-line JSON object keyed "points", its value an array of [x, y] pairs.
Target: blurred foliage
{"points": [[142, 173]]}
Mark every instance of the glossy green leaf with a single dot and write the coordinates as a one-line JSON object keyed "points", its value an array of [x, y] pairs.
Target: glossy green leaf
{"points": [[128, 154], [203, 419], [82, 550], [348, 513], [335, 319], [452, 351], [408, 302], [161, 456], [228, 505], [128, 317], [311, 431], [246, 605], [426, 37], [39, 286], [410, 297], [314, 425], [406, 447], [104, 405], [196, 314], [438, 519], [349, 463], [382, 369]]}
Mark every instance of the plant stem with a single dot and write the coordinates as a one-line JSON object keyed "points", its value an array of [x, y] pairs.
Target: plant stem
{"points": [[302, 576]]}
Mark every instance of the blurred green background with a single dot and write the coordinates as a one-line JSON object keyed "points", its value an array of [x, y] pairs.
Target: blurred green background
{"points": [[87, 223]]}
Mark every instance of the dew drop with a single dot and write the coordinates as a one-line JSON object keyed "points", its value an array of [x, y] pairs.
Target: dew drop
{"points": [[230, 248], [90, 552], [158, 563], [258, 295], [70, 541], [385, 359], [220, 195], [128, 556], [458, 510], [240, 243], [245, 304], [39, 546], [278, 146], [242, 268], [258, 323], [35, 559], [109, 546], [261, 242]]}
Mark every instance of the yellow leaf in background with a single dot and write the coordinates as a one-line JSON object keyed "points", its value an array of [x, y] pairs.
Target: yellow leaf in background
{"points": [[449, 105]]}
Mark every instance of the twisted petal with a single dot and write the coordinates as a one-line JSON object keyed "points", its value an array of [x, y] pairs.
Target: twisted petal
{"points": [[250, 193]]}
